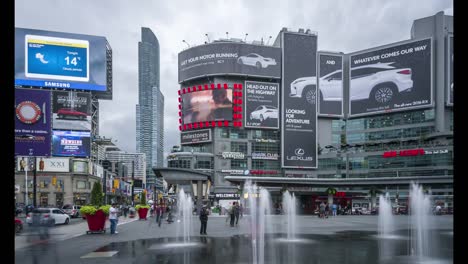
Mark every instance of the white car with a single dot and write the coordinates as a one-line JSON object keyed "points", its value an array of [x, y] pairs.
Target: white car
{"points": [[380, 82], [264, 112], [254, 59], [49, 216]]}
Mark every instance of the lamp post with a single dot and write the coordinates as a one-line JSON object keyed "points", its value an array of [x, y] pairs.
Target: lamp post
{"points": [[34, 182], [133, 181]]}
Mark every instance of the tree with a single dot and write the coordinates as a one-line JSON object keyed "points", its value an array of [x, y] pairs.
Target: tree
{"points": [[143, 197], [96, 194]]}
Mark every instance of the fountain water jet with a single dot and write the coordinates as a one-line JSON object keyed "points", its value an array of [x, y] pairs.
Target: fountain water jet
{"points": [[289, 204], [184, 205]]}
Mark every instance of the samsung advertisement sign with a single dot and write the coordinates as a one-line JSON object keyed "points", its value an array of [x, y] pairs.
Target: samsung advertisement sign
{"points": [[60, 60], [229, 58], [394, 78]]}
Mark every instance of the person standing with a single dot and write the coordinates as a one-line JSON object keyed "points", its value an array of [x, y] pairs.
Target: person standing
{"points": [[334, 209], [159, 214], [203, 220], [113, 218], [232, 213]]}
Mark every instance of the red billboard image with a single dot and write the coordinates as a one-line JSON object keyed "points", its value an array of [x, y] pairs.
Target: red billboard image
{"points": [[208, 105]]}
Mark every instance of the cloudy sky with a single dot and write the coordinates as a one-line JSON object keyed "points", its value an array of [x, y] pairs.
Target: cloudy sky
{"points": [[342, 25]]}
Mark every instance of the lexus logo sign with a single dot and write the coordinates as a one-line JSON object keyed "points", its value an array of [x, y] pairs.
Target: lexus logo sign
{"points": [[299, 152]]}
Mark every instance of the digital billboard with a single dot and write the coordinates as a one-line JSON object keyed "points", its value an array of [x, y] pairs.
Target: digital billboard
{"points": [[299, 101], [208, 105], [330, 83], [394, 78], [71, 110], [229, 59], [71, 143], [450, 70], [32, 122], [261, 104], [60, 60], [193, 137]]}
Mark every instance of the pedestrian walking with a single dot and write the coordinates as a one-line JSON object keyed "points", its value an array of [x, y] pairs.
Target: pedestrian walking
{"points": [[334, 209], [241, 210], [232, 213], [113, 217], [159, 214], [204, 219], [237, 212], [322, 210]]}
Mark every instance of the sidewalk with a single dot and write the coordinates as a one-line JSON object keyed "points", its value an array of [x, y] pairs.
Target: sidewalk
{"points": [[62, 232]]}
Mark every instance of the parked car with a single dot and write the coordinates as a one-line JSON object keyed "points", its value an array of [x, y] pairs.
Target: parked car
{"points": [[72, 210], [380, 82], [68, 113], [18, 225], [47, 216], [256, 60], [264, 112]]}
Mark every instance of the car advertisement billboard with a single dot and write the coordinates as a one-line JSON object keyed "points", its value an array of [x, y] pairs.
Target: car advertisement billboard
{"points": [[299, 102], [229, 59], [71, 110], [194, 137], [450, 70], [330, 83], [208, 105], [71, 143], [261, 105], [32, 122], [394, 78], [60, 60]]}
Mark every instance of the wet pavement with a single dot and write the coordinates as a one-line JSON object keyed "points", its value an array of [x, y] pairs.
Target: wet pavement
{"points": [[341, 240]]}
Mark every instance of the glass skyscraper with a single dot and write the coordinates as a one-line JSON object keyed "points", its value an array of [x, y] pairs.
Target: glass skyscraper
{"points": [[150, 107]]}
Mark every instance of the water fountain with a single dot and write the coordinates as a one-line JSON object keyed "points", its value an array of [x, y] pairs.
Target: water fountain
{"points": [[184, 206], [385, 220], [289, 204]]}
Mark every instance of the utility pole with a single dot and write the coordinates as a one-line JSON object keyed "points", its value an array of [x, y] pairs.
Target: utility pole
{"points": [[34, 183], [133, 180]]}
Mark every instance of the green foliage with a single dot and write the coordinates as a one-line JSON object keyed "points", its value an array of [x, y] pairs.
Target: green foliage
{"points": [[138, 206], [105, 209], [96, 194], [143, 198], [88, 210]]}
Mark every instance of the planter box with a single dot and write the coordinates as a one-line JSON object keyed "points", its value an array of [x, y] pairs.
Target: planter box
{"points": [[96, 222], [142, 213]]}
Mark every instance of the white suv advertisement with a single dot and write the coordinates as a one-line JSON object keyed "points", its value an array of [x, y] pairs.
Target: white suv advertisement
{"points": [[330, 84], [261, 105], [393, 78]]}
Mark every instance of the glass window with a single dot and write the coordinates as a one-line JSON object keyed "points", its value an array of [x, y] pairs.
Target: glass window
{"points": [[81, 185], [265, 165], [238, 164], [239, 147]]}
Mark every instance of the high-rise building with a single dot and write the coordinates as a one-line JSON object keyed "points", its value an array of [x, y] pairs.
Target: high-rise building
{"points": [[150, 107]]}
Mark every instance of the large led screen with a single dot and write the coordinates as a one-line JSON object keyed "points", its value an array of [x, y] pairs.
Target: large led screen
{"points": [[32, 122], [59, 60], [299, 101], [261, 104], [394, 78], [330, 83], [71, 110], [230, 59], [71, 143], [208, 105]]}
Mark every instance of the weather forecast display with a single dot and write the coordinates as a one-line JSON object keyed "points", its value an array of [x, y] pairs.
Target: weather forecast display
{"points": [[56, 58]]}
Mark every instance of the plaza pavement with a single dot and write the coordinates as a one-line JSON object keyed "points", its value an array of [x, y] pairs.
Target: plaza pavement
{"points": [[69, 244]]}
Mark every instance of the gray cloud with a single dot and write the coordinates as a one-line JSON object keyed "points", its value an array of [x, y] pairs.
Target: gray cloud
{"points": [[345, 26]]}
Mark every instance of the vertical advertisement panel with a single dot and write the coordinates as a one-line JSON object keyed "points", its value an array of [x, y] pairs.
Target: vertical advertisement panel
{"points": [[393, 78], [299, 101], [71, 110], [450, 70], [261, 105], [330, 83], [32, 122]]}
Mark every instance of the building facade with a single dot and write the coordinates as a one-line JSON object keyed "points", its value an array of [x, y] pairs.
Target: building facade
{"points": [[150, 108], [362, 150]]}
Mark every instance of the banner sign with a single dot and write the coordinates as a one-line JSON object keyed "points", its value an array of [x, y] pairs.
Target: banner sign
{"points": [[193, 137], [261, 105], [330, 83], [299, 101]]}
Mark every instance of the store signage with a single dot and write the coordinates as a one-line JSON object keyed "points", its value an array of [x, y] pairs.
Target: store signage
{"points": [[227, 195], [438, 151], [402, 153], [233, 155], [237, 172], [192, 137], [265, 156], [261, 140], [262, 172]]}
